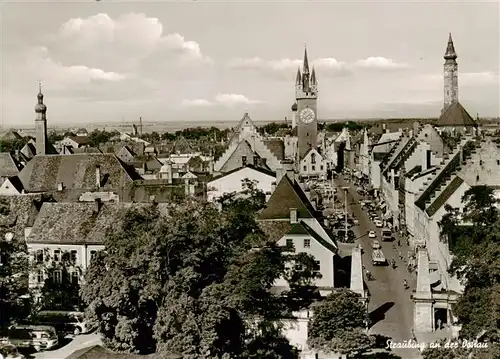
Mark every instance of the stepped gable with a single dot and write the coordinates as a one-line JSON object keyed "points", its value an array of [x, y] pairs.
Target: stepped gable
{"points": [[445, 173], [286, 196], [242, 149], [277, 147], [456, 115], [245, 121], [440, 200]]}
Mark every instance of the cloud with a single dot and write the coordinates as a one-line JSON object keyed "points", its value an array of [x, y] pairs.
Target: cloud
{"points": [[465, 79], [228, 100], [381, 63], [38, 61], [197, 103], [129, 42]]}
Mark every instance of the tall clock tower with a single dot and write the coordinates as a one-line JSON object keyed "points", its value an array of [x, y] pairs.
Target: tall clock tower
{"points": [[306, 94]]}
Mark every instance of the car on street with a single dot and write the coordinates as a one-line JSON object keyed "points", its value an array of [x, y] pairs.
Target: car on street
{"points": [[375, 245], [378, 223], [372, 234], [355, 221], [9, 351]]}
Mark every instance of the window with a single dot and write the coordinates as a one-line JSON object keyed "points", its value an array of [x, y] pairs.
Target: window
{"points": [[305, 168], [39, 277], [74, 277], [313, 167], [318, 265], [57, 277], [321, 167], [73, 256], [477, 178], [498, 162], [57, 255], [39, 255], [289, 244], [92, 254], [244, 160], [307, 243], [313, 158], [480, 162]]}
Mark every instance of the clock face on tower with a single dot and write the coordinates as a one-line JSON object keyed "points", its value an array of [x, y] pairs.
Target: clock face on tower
{"points": [[307, 115]]}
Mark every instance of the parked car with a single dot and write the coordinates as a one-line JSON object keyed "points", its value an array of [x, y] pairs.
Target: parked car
{"points": [[65, 322], [9, 351], [378, 223], [355, 221], [372, 234], [375, 245], [38, 337]]}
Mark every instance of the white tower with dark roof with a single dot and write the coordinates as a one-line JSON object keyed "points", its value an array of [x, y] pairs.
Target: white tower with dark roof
{"points": [[450, 75], [41, 124]]}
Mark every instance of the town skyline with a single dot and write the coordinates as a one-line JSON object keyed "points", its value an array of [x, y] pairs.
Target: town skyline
{"points": [[206, 62]]}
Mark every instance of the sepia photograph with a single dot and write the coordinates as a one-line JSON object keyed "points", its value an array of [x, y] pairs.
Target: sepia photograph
{"points": [[217, 179]]}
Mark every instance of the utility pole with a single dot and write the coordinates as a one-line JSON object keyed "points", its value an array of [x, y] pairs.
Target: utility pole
{"points": [[345, 211]]}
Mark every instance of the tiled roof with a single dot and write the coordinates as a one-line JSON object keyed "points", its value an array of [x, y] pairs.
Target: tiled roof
{"points": [[81, 140], [11, 135], [8, 166], [298, 228], [98, 352], [86, 150], [78, 222], [275, 230], [444, 196], [286, 196], [22, 212], [456, 115], [78, 171]]}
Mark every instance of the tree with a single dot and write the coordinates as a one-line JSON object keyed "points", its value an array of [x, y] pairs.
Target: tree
{"points": [[196, 282], [13, 271], [473, 238], [98, 137], [339, 324]]}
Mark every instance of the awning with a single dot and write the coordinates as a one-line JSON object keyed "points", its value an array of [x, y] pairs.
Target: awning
{"points": [[435, 277]]}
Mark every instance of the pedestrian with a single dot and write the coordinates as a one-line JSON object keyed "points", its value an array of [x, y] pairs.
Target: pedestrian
{"points": [[399, 243], [439, 324]]}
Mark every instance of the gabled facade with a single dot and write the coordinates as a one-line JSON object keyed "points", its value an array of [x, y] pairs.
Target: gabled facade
{"points": [[378, 152], [76, 141], [247, 132], [289, 220], [313, 165]]}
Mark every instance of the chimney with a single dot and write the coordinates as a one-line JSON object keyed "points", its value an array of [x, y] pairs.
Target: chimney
{"points": [[169, 172], [293, 215], [60, 186], [97, 205], [98, 176]]}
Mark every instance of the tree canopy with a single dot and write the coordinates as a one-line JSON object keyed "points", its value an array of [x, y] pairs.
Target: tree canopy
{"points": [[339, 324], [195, 281]]}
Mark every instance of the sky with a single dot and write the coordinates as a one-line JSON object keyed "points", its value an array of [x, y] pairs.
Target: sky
{"points": [[106, 61]]}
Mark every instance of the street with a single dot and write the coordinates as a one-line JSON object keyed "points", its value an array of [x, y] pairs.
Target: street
{"points": [[76, 343], [390, 305]]}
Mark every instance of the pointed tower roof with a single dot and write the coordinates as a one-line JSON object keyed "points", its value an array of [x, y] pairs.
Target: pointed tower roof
{"points": [[450, 50], [313, 76], [299, 77], [306, 62]]}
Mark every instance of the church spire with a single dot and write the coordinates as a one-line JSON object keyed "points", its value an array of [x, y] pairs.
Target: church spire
{"points": [[306, 62], [450, 50], [313, 77], [298, 80], [41, 140]]}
